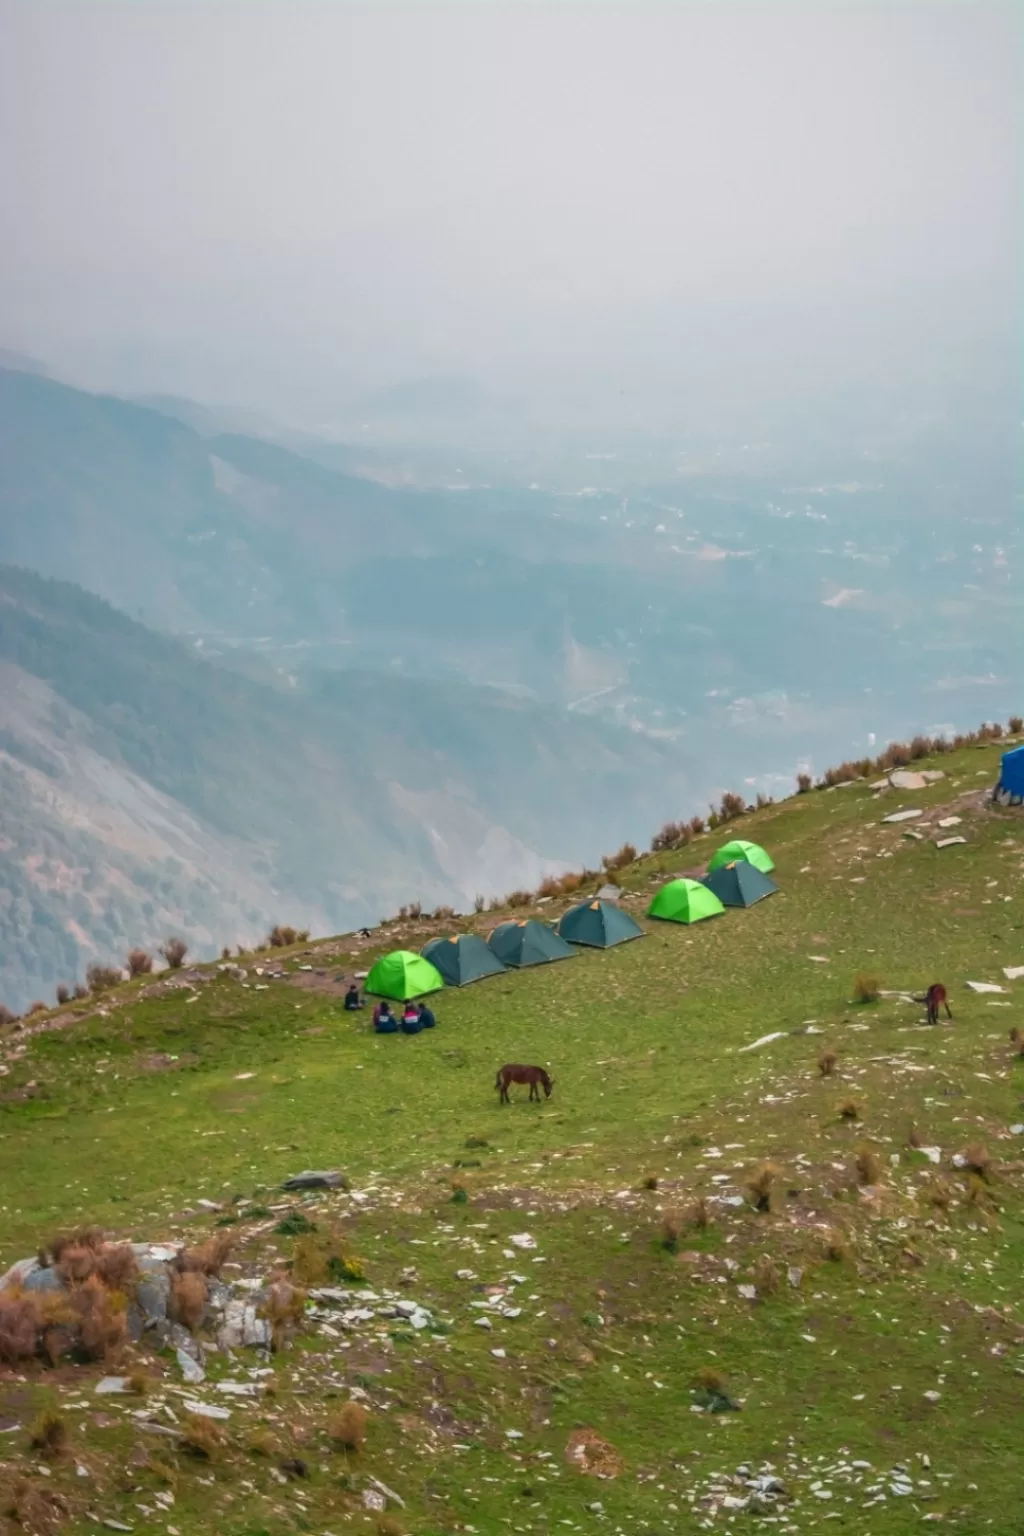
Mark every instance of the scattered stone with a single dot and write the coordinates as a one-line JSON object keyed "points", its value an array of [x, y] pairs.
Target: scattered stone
{"points": [[985, 986], [242, 1326], [389, 1493], [116, 1525], [375, 1500], [522, 1240], [110, 1384], [209, 1205], [949, 842], [902, 816], [904, 778], [1011, 972], [748, 1292], [313, 1179], [191, 1369], [764, 1040], [949, 821], [795, 1277], [206, 1410]]}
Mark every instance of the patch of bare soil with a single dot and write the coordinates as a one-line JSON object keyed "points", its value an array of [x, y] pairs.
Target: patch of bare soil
{"points": [[587, 1451]]}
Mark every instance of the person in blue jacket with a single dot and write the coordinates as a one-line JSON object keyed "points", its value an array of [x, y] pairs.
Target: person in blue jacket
{"points": [[384, 1021], [427, 1020], [411, 1024]]}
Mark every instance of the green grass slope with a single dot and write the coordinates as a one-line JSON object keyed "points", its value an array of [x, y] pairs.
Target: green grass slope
{"points": [[871, 1334]]}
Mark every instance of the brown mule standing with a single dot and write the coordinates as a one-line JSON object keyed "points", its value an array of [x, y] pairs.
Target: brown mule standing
{"points": [[513, 1073], [934, 999]]}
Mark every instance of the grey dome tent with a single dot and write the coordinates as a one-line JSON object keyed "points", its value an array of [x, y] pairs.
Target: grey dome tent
{"points": [[599, 924], [739, 884], [462, 958], [528, 942]]}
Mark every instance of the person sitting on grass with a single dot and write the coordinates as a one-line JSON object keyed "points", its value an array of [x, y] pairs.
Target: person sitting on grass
{"points": [[384, 1021], [427, 1020], [352, 999], [411, 1019]]}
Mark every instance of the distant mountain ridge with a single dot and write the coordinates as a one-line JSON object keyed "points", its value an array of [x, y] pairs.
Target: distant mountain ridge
{"points": [[144, 790]]}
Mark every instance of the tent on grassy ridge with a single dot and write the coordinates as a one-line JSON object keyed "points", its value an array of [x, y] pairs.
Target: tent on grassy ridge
{"points": [[528, 942], [599, 924], [685, 901], [402, 975], [740, 848], [739, 884], [462, 958]]}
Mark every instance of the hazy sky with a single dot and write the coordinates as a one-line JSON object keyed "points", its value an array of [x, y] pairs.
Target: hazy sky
{"points": [[285, 202]]}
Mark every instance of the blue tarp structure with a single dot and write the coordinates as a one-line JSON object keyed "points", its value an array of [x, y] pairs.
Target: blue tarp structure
{"points": [[1011, 777]]}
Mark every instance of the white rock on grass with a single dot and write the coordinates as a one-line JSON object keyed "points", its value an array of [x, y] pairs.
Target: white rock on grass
{"points": [[206, 1410], [902, 816]]}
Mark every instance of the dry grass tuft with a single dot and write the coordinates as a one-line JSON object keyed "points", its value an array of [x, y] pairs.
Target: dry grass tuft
{"points": [[869, 1167], [914, 1138], [202, 1437], [709, 1379], [938, 1195], [19, 1326], [866, 988], [102, 1320], [804, 783], [699, 1214], [286, 1307], [761, 1185], [1017, 1040], [767, 1277], [625, 856], [651, 1181], [187, 1304], [389, 1525], [100, 978], [262, 1443], [347, 1429], [837, 1247], [671, 1231], [49, 1434], [849, 1109], [827, 1063], [117, 1266], [207, 1258], [977, 1159], [141, 1383]]}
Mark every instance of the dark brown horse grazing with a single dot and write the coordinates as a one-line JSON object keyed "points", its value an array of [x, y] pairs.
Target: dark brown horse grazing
{"points": [[513, 1073]]}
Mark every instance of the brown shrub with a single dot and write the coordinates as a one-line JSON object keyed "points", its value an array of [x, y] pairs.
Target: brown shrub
{"points": [[767, 1278], [81, 991], [286, 1306], [75, 1261], [626, 855], [1017, 1039], [1016, 725], [347, 1428], [939, 1195], [804, 783], [7, 1016], [551, 885], [697, 826], [102, 1320], [868, 1165], [518, 898], [37, 1007], [174, 952], [479, 903], [732, 806], [671, 1230], [979, 1195], [849, 1109], [100, 978], [225, 952], [673, 834], [866, 987], [570, 881], [63, 993], [262, 1443], [699, 1213], [187, 1304], [49, 1434], [761, 1185], [443, 914], [19, 1325], [202, 1437], [207, 1258], [390, 1525], [650, 1182], [827, 1063], [139, 962], [977, 1159], [837, 1248], [141, 1383], [117, 1266], [763, 801], [710, 1379]]}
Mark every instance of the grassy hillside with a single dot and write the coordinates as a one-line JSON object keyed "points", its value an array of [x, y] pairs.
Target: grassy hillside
{"points": [[145, 789], [867, 1325]]}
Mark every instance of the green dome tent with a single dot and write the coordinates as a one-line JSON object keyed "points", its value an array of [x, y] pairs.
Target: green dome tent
{"points": [[739, 884], [528, 942], [599, 924], [739, 848], [462, 958], [402, 975], [685, 901]]}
